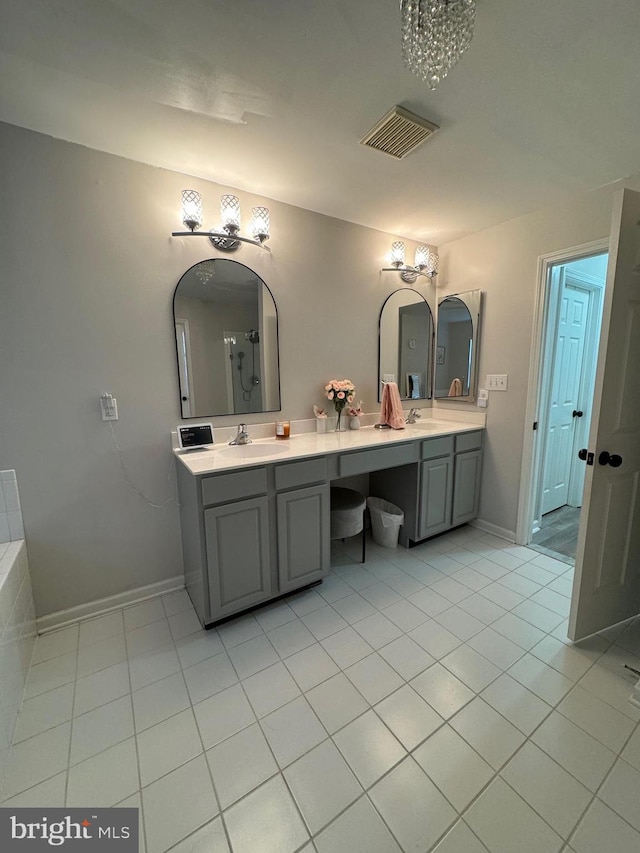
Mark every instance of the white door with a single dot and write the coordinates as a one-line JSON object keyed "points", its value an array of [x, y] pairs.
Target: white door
{"points": [[606, 588], [566, 381]]}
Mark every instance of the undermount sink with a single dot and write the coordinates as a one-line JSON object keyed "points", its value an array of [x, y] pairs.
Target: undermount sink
{"points": [[253, 451]]}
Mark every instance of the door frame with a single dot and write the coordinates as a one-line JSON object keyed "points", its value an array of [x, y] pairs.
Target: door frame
{"points": [[532, 448]]}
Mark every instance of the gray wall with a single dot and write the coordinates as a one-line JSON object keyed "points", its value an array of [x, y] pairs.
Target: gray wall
{"points": [[87, 274]]}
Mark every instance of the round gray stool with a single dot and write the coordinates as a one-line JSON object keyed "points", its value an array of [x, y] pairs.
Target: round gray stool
{"points": [[347, 514]]}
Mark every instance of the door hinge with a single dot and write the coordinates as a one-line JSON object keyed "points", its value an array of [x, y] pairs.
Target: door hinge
{"points": [[535, 424]]}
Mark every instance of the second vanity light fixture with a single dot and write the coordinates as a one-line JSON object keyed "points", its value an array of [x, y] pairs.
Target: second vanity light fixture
{"points": [[426, 263], [227, 237]]}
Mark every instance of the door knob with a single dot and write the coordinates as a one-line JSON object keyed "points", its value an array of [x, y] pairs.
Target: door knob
{"points": [[612, 459], [184, 399], [582, 454], [576, 414]]}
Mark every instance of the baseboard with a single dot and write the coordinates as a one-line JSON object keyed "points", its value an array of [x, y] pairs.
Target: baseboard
{"points": [[62, 618], [502, 532]]}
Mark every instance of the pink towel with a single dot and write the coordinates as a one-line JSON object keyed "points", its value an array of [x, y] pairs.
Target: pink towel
{"points": [[455, 389], [391, 409]]}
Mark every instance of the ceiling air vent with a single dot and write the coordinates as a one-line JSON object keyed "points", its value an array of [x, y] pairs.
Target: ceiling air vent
{"points": [[399, 132]]}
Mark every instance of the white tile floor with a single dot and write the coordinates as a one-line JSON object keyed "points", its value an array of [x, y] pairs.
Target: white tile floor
{"points": [[428, 701]]}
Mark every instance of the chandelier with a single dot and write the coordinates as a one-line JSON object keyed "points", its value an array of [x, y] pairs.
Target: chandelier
{"points": [[435, 34]]}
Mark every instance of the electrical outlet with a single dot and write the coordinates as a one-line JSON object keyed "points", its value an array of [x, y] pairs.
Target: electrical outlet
{"points": [[108, 407], [497, 381]]}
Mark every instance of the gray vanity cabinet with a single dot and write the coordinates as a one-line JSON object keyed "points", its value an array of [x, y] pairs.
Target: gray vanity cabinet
{"points": [[252, 534], [303, 536], [436, 482], [466, 478], [238, 559]]}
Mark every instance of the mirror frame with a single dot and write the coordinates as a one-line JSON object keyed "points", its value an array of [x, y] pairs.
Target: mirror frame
{"points": [[473, 300], [429, 371], [200, 415]]}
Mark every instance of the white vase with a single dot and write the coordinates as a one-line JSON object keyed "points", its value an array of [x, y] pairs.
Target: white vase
{"points": [[354, 422], [321, 425]]}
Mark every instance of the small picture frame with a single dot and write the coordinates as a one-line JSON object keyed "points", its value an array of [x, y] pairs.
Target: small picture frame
{"points": [[440, 355]]}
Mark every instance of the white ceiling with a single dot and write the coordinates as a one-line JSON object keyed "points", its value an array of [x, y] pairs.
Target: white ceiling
{"points": [[272, 96]]}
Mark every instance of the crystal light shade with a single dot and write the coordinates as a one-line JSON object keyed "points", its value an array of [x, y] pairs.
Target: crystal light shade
{"points": [[230, 213], [191, 210], [435, 34], [260, 223], [433, 264], [397, 253], [422, 257]]}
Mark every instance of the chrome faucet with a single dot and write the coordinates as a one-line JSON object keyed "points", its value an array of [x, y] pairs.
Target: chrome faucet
{"points": [[242, 436], [413, 415]]}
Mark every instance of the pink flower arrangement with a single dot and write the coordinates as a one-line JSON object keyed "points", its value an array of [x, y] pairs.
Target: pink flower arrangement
{"points": [[340, 392], [356, 411]]}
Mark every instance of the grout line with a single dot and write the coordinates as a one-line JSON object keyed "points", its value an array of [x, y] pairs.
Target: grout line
{"points": [[73, 704]]}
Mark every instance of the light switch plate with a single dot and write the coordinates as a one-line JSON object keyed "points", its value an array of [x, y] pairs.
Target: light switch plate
{"points": [[497, 381]]}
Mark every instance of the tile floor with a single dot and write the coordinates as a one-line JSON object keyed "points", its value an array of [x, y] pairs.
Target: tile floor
{"points": [[428, 701]]}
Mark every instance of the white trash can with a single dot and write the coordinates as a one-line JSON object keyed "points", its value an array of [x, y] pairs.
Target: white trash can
{"points": [[386, 521]]}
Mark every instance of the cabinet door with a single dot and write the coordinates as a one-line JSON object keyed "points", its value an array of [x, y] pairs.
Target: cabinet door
{"points": [[466, 489], [303, 536], [436, 482], [238, 562]]}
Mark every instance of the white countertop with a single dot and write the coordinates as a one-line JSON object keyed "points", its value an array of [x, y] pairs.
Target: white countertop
{"points": [[222, 457]]}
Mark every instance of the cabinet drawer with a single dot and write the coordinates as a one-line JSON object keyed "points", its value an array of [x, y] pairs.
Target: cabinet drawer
{"points": [[434, 447], [291, 474], [363, 461], [469, 441], [233, 487]]}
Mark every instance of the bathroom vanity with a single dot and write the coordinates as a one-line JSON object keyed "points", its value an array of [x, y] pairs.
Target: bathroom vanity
{"points": [[255, 518]]}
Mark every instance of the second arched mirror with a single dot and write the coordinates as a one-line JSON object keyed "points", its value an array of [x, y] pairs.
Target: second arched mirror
{"points": [[457, 342], [406, 344], [226, 326]]}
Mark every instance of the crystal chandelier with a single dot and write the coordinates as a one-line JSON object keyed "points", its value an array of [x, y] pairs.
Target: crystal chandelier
{"points": [[435, 34]]}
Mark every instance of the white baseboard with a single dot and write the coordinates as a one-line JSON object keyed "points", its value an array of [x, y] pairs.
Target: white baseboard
{"points": [[502, 532], [62, 618]]}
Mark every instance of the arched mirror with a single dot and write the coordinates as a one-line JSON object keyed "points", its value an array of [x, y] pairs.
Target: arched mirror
{"points": [[457, 341], [226, 327], [406, 344]]}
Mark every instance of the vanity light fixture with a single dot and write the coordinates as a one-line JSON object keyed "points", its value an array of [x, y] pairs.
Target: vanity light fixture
{"points": [[426, 263], [227, 238]]}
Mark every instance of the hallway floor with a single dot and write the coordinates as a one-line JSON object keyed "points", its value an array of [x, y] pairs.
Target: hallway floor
{"points": [[558, 534], [428, 701]]}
